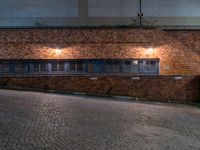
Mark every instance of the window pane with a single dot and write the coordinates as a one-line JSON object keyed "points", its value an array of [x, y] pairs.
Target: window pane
{"points": [[20, 67], [67, 66], [109, 66], [43, 67], [54, 67], [116, 66], [4, 67], [135, 62], [146, 65], [1, 67], [72, 66], [97, 66], [127, 66], [90, 67], [61, 66], [80, 66], [152, 66], [135, 66], [17, 67], [36, 67], [149, 67]]}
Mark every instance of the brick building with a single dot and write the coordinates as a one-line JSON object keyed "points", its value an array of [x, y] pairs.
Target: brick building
{"points": [[157, 64], [118, 51]]}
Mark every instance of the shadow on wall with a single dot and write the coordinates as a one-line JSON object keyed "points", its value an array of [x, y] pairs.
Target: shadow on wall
{"points": [[161, 88], [4, 82], [192, 87]]}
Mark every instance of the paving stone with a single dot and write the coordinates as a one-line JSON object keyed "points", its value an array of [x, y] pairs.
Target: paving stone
{"points": [[40, 121]]}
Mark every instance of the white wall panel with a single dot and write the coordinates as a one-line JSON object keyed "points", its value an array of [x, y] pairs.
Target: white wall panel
{"points": [[38, 8], [171, 8], [184, 13], [113, 8], [128, 8]]}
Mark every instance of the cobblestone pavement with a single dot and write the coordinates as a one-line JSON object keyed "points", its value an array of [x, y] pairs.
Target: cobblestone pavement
{"points": [[40, 121]]}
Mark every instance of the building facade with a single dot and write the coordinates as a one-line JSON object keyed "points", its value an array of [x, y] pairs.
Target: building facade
{"points": [[66, 47], [137, 51], [142, 63]]}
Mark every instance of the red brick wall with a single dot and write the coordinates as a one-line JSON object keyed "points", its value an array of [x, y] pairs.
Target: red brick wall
{"points": [[176, 49], [190, 39], [148, 87]]}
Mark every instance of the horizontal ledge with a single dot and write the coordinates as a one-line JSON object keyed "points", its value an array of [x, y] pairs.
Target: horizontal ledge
{"points": [[108, 27], [97, 75], [102, 22]]}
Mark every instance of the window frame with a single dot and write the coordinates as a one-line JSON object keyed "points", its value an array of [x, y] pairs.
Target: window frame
{"points": [[24, 69], [150, 72], [8, 68], [89, 66], [131, 66], [39, 62], [58, 70]]}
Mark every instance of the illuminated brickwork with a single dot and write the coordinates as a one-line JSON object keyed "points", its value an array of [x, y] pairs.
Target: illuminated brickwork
{"points": [[178, 51]]}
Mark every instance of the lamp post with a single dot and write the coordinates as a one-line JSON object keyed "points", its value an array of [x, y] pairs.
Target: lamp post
{"points": [[140, 14]]}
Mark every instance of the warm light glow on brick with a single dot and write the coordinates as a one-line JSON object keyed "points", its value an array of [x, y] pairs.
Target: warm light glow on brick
{"points": [[150, 51], [58, 51]]}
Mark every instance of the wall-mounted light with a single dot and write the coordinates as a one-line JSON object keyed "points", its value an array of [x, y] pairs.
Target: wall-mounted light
{"points": [[150, 50], [57, 51]]}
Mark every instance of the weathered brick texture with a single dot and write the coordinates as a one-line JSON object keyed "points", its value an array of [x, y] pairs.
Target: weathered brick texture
{"points": [[191, 39], [178, 51], [165, 88]]}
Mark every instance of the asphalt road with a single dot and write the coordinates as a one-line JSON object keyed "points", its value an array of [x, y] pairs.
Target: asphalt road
{"points": [[40, 121]]}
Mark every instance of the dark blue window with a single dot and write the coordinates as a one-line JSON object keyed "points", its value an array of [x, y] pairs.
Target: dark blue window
{"points": [[111, 66], [20, 67], [4, 67]]}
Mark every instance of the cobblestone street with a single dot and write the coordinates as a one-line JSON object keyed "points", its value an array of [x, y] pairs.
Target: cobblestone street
{"points": [[41, 121]]}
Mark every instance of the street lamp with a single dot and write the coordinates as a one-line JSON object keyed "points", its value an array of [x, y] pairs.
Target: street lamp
{"points": [[140, 14]]}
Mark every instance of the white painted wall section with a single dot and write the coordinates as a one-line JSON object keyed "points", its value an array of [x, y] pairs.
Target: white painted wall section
{"points": [[38, 8], [113, 8]]}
